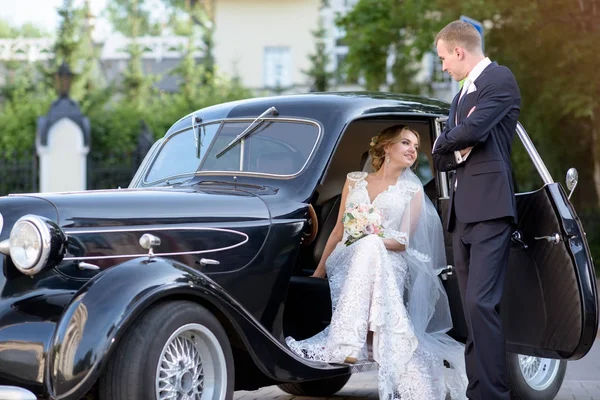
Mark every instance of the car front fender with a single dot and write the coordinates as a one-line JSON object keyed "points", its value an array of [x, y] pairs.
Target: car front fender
{"points": [[100, 312]]}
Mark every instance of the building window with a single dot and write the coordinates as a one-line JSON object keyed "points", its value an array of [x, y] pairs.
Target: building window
{"points": [[437, 73], [277, 67]]}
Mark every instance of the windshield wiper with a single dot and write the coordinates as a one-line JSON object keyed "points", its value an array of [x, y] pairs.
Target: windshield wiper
{"points": [[249, 130]]}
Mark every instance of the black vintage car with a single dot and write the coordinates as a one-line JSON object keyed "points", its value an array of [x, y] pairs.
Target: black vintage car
{"points": [[184, 285]]}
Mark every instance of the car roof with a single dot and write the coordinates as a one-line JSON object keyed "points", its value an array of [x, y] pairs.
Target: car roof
{"points": [[322, 107]]}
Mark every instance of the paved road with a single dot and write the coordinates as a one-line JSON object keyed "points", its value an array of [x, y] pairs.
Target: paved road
{"points": [[582, 382]]}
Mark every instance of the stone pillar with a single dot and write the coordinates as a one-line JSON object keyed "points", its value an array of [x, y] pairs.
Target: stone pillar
{"points": [[62, 143]]}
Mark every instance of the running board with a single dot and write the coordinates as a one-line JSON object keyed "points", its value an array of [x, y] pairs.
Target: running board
{"points": [[366, 366], [362, 366]]}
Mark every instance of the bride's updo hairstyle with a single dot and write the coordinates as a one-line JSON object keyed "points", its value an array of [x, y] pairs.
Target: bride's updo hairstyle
{"points": [[390, 135]]}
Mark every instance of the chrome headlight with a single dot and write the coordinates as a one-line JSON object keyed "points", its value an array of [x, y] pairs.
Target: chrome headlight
{"points": [[35, 240]]}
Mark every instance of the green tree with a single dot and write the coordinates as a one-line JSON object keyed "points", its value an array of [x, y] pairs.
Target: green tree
{"points": [[18, 116], [319, 73], [27, 30], [195, 19], [74, 46], [18, 74], [132, 18], [382, 30], [369, 35], [90, 77], [69, 34]]}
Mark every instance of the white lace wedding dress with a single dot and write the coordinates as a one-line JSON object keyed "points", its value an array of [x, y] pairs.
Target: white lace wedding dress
{"points": [[369, 286]]}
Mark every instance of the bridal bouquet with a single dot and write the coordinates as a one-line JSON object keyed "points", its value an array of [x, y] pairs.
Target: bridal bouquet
{"points": [[361, 220]]}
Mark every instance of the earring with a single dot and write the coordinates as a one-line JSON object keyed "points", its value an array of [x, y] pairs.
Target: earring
{"points": [[387, 160]]}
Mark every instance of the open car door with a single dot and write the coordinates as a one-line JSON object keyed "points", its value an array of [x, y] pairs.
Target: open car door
{"points": [[550, 303]]}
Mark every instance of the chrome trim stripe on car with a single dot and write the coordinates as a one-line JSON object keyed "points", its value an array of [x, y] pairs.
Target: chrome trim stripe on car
{"points": [[88, 231], [243, 173]]}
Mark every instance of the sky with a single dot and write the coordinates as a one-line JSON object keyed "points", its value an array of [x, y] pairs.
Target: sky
{"points": [[43, 13]]}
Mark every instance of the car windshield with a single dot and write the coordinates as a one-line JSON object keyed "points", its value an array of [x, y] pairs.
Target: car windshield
{"points": [[278, 148]]}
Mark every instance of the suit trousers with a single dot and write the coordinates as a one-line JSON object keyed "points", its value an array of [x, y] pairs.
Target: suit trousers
{"points": [[481, 253]]}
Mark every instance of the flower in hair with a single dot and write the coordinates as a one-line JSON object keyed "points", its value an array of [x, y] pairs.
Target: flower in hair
{"points": [[374, 141]]}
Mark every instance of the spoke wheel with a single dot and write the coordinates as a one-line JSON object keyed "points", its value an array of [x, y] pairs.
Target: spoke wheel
{"points": [[538, 372], [175, 350], [534, 378], [191, 366]]}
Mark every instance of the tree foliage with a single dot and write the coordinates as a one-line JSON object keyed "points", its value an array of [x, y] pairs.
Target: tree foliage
{"points": [[389, 37], [195, 19], [27, 30], [132, 18], [319, 73]]}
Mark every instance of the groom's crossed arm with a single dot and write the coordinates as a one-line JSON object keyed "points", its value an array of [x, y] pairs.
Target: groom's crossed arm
{"points": [[449, 161], [496, 100]]}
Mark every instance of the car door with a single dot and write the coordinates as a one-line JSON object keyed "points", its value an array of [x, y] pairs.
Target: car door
{"points": [[550, 302]]}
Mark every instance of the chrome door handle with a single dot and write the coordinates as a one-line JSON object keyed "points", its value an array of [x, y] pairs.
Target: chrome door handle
{"points": [[91, 267], [208, 261], [517, 238], [554, 238]]}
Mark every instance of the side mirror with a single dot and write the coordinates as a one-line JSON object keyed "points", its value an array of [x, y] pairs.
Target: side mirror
{"points": [[572, 179]]}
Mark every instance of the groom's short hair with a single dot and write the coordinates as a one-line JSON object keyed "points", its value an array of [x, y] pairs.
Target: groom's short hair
{"points": [[460, 33]]}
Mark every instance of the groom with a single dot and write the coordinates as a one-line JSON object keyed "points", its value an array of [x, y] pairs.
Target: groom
{"points": [[477, 144]]}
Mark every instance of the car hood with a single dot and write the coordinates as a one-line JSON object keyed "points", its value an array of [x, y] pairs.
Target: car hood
{"points": [[104, 227], [127, 207]]}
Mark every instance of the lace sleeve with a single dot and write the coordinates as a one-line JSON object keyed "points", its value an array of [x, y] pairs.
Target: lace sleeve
{"points": [[356, 176], [413, 196], [400, 237]]}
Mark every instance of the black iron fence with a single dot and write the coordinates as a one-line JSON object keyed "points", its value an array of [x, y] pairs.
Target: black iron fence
{"points": [[18, 172], [112, 170]]}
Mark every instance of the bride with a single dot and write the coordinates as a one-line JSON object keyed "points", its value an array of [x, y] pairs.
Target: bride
{"points": [[385, 285]]}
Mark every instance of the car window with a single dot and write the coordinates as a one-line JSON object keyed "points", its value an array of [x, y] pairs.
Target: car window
{"points": [[229, 161], [276, 147], [178, 155], [280, 148]]}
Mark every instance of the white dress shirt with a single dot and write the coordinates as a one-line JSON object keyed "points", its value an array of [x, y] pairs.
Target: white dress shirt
{"points": [[469, 87]]}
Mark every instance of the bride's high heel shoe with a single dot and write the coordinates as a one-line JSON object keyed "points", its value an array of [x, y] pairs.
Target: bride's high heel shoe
{"points": [[352, 357]]}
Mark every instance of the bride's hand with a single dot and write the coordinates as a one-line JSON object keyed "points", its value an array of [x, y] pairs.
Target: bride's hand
{"points": [[393, 245], [319, 273]]}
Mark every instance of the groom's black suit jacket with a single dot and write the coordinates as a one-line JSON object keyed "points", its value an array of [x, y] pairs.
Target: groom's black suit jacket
{"points": [[485, 187]]}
